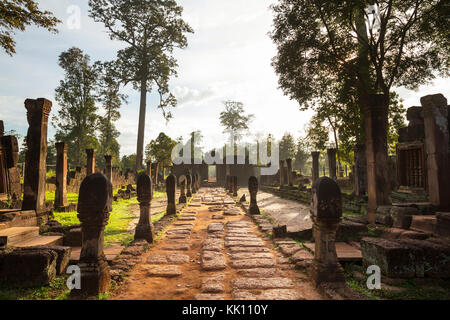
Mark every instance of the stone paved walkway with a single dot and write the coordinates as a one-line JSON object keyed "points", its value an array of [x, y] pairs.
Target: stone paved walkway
{"points": [[214, 251], [285, 212]]}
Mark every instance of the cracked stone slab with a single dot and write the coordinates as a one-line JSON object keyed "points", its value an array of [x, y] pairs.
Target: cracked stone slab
{"points": [[213, 261], [270, 294], [212, 244], [244, 243], [177, 258], [177, 247], [248, 249], [208, 296], [253, 263], [242, 238], [213, 287], [157, 259], [262, 283], [251, 255], [163, 271], [257, 272], [215, 227]]}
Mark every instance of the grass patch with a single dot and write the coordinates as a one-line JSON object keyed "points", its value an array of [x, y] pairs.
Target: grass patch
{"points": [[71, 197], [56, 290]]}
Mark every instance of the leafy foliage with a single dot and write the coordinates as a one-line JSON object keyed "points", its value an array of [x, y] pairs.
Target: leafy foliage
{"points": [[234, 120], [287, 147], [160, 150], [17, 15]]}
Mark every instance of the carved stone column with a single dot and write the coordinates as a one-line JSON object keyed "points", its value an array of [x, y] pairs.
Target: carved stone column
{"points": [[94, 207], [235, 186], [36, 167], [281, 170], [182, 181], [289, 172], [171, 186], [332, 163], [315, 165], [326, 213], [360, 170], [253, 190], [108, 168], [144, 229], [188, 186], [90, 166], [61, 176]]}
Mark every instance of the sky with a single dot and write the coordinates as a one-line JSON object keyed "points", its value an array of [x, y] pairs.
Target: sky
{"points": [[227, 58]]}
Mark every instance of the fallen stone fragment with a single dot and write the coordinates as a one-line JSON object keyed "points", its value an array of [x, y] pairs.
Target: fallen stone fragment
{"points": [[289, 250], [262, 283], [253, 263], [163, 271]]}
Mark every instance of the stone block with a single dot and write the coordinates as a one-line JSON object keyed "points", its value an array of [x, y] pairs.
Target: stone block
{"points": [[27, 268], [350, 230], [73, 238], [393, 258], [443, 224]]}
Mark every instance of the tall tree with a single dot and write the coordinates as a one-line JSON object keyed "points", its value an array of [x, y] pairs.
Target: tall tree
{"points": [[234, 120], [17, 15], [159, 151], [287, 147], [76, 120], [302, 153], [111, 100], [150, 29]]}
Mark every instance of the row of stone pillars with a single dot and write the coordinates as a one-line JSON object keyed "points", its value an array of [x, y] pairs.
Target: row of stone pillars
{"points": [[62, 167], [331, 164], [285, 173]]}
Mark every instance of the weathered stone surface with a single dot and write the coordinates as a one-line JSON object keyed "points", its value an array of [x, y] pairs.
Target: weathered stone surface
{"points": [[394, 259], [208, 296], [257, 272], [253, 263], [251, 255], [213, 261], [212, 244], [215, 227], [31, 267], [177, 247], [262, 283], [244, 243], [177, 258], [163, 271], [271, 294], [248, 249], [301, 256], [289, 250], [157, 259], [213, 287]]}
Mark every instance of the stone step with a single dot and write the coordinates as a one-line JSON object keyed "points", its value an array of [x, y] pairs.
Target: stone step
{"points": [[345, 252], [41, 241], [425, 224], [19, 234]]}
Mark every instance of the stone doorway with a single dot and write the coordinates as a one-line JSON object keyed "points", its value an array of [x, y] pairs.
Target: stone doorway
{"points": [[212, 174]]}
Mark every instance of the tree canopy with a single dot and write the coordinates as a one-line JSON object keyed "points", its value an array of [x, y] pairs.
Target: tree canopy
{"points": [[160, 150], [234, 120], [17, 15]]}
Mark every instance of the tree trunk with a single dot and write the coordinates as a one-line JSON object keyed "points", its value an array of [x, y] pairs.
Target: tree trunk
{"points": [[141, 128], [156, 173]]}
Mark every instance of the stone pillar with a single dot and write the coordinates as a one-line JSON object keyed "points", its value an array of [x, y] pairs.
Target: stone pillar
{"points": [[281, 170], [2, 128], [182, 181], [108, 168], [90, 167], [194, 183], [171, 186], [436, 146], [289, 172], [36, 168], [94, 207], [360, 174], [332, 163], [378, 184], [235, 186], [144, 229], [315, 165], [326, 213], [188, 186], [61, 176], [253, 190], [198, 179]]}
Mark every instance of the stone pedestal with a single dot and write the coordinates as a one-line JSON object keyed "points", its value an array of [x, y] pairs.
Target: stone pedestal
{"points": [[436, 146], [36, 167], [188, 186], [90, 166], [289, 172], [326, 213], [182, 182], [360, 175], [94, 207], [253, 190], [281, 170], [235, 186], [171, 185], [108, 167], [332, 163], [315, 165], [378, 184], [144, 229], [61, 176]]}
